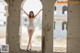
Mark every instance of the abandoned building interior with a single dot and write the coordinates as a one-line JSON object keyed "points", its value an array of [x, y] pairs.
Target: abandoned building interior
{"points": [[73, 25]]}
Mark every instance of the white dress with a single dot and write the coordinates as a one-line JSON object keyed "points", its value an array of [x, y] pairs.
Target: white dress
{"points": [[31, 24]]}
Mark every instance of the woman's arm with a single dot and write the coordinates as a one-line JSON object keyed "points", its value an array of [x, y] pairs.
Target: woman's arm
{"points": [[38, 13], [25, 12]]}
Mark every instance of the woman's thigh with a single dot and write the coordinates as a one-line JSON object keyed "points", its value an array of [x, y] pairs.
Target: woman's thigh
{"points": [[30, 32]]}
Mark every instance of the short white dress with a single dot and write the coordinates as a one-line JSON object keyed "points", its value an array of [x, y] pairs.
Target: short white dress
{"points": [[31, 24]]}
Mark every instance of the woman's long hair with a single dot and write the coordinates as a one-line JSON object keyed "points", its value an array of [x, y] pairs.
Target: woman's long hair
{"points": [[30, 14]]}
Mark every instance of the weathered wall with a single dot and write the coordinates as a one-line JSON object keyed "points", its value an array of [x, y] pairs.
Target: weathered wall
{"points": [[13, 23], [47, 26], [73, 28]]}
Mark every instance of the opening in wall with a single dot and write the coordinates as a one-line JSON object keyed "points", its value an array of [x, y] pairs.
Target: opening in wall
{"points": [[3, 25], [31, 25], [60, 32]]}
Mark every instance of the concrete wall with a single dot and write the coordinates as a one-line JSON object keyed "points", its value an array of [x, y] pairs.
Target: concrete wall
{"points": [[14, 22], [73, 28], [47, 27]]}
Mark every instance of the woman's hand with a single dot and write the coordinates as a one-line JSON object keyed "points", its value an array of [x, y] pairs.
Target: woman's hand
{"points": [[41, 9], [38, 12]]}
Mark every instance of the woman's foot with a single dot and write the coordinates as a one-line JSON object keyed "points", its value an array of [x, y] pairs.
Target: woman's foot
{"points": [[29, 48]]}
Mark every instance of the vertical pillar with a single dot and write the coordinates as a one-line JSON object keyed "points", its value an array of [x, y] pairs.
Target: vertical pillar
{"points": [[73, 27], [47, 26], [13, 23]]}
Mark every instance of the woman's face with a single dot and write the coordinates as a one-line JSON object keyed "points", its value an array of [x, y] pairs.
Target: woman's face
{"points": [[31, 14]]}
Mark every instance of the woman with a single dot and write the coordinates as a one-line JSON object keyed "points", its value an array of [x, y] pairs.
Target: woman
{"points": [[31, 26]]}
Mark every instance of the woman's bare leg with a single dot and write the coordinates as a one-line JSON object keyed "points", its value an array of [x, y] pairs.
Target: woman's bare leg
{"points": [[30, 33]]}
